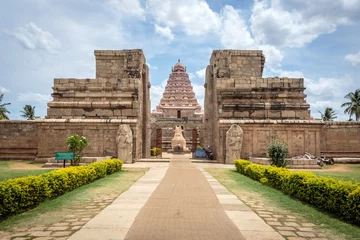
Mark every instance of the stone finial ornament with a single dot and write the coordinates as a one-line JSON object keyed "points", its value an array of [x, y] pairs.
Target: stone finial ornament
{"points": [[234, 139], [124, 140]]}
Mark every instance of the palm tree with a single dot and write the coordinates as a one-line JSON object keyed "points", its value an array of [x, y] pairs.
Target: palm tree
{"points": [[3, 110], [353, 106], [28, 112], [328, 115]]}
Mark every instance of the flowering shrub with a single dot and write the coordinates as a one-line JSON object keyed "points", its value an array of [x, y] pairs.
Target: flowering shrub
{"points": [[20, 194], [341, 198], [76, 145]]}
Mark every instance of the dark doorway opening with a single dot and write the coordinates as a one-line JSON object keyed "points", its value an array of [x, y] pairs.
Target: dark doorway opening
{"points": [[178, 114]]}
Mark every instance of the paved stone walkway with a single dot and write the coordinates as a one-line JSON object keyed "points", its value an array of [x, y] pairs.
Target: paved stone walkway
{"points": [[183, 207]]}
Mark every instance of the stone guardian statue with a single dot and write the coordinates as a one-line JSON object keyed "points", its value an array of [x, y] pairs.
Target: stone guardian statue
{"points": [[124, 140], [234, 140]]}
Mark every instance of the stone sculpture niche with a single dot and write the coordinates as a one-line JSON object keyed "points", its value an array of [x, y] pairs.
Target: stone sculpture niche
{"points": [[234, 139], [124, 140], [178, 143]]}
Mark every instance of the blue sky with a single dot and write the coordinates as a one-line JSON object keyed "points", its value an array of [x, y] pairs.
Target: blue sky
{"points": [[45, 39]]}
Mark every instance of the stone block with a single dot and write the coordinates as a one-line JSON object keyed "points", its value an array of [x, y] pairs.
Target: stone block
{"points": [[288, 114]]}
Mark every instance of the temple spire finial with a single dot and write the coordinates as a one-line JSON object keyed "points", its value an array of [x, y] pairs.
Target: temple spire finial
{"points": [[179, 60]]}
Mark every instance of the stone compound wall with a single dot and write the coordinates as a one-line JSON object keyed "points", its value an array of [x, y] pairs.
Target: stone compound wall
{"points": [[18, 140], [340, 139]]}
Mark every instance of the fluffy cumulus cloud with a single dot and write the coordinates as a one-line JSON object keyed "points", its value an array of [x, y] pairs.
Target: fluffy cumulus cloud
{"points": [[194, 17], [354, 59], [127, 7], [165, 32], [234, 33], [294, 23], [199, 93], [3, 90], [33, 37], [156, 92], [201, 74], [31, 97]]}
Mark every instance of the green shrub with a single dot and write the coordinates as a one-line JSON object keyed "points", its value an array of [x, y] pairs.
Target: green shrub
{"points": [[277, 152], [76, 144], [341, 198], [20, 194]]}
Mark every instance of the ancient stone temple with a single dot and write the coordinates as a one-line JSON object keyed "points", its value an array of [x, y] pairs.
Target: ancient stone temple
{"points": [[242, 110], [178, 99], [178, 107]]}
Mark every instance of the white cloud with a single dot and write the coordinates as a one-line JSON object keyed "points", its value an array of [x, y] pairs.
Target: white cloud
{"points": [[3, 90], [127, 7], [293, 23], [234, 32], [194, 17], [164, 31], [272, 54], [235, 35], [33, 37], [283, 73], [156, 92], [354, 59], [201, 74], [199, 93], [31, 97], [151, 66]]}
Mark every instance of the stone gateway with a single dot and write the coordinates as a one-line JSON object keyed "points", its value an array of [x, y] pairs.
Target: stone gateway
{"points": [[234, 140], [236, 94]]}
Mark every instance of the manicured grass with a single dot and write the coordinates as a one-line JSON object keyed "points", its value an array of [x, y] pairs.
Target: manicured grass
{"points": [[53, 211], [6, 172], [353, 174], [242, 185]]}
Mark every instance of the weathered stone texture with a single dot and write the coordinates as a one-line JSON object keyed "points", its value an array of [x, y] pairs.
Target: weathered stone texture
{"points": [[234, 141], [124, 140], [18, 140]]}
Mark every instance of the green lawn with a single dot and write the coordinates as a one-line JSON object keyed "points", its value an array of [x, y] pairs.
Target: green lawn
{"points": [[7, 172], [241, 185], [53, 211], [353, 173]]}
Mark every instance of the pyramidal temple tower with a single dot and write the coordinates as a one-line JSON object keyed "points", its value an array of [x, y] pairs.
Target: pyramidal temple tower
{"points": [[178, 100]]}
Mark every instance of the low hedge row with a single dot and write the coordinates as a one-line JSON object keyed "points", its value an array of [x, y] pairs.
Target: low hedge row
{"points": [[341, 198], [20, 194]]}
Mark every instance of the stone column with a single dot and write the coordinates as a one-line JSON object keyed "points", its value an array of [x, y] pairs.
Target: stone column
{"points": [[234, 139]]}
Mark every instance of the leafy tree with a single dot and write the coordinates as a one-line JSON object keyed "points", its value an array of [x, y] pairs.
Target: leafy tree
{"points": [[328, 115], [3, 110], [28, 112], [353, 106], [76, 145]]}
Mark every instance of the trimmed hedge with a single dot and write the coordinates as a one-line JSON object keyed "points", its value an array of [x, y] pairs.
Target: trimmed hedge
{"points": [[20, 194], [339, 197]]}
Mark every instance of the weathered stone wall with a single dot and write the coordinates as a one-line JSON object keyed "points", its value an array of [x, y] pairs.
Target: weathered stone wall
{"points": [[18, 140], [121, 90], [242, 93], [301, 136], [340, 139]]}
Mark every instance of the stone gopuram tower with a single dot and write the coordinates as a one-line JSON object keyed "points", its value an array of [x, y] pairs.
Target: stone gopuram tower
{"points": [[178, 107], [178, 99]]}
